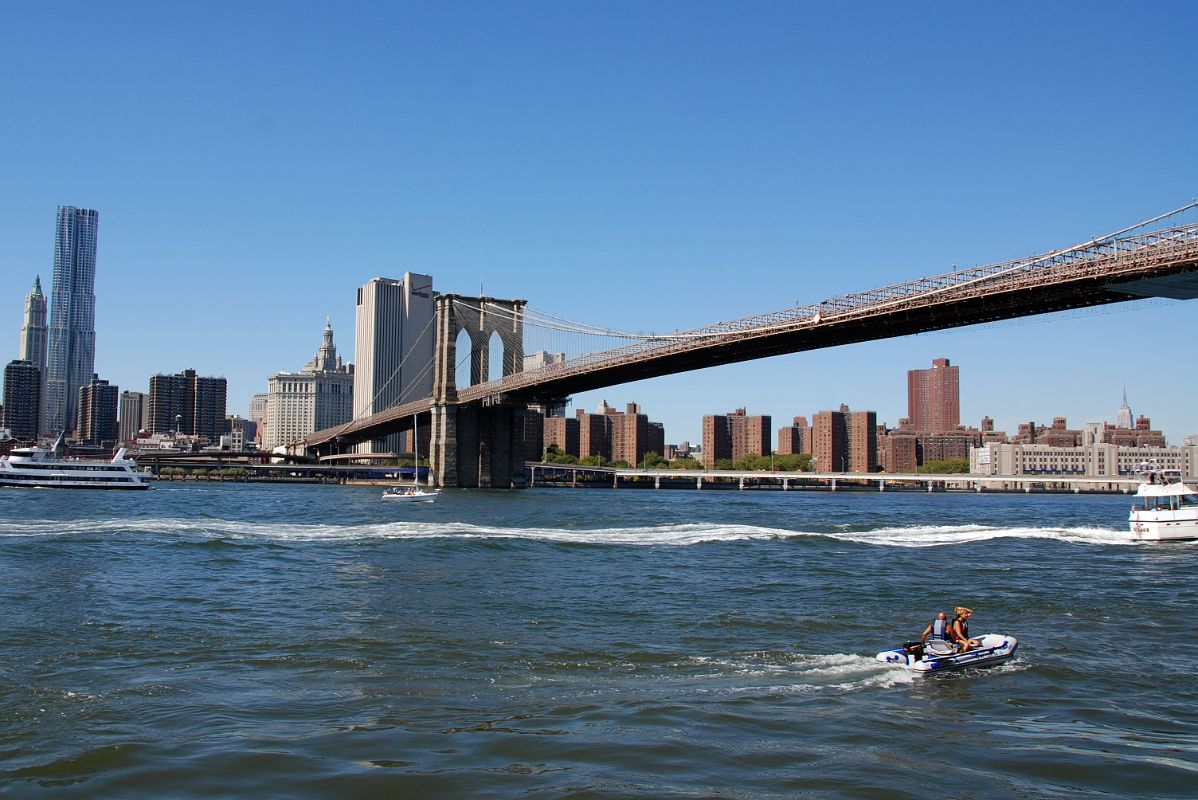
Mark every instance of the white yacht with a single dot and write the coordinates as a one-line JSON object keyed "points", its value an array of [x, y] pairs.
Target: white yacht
{"points": [[1164, 509], [40, 467]]}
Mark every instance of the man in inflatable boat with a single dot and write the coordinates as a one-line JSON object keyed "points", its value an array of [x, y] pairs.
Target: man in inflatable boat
{"points": [[954, 634]]}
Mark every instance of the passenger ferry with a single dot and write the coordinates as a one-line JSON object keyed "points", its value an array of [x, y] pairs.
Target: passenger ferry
{"points": [[1164, 509], [40, 467]]}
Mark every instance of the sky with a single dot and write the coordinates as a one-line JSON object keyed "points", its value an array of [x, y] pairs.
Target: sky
{"points": [[640, 166]]}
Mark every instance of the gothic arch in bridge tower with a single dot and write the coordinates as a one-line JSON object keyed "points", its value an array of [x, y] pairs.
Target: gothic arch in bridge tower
{"points": [[481, 319]]}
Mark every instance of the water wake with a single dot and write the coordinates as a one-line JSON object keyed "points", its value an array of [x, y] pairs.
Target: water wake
{"points": [[679, 534]]}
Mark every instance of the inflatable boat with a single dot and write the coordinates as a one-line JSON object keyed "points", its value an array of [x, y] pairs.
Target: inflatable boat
{"points": [[938, 656]]}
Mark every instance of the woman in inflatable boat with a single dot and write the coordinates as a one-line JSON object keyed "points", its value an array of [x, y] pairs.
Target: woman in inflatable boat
{"points": [[959, 631]]}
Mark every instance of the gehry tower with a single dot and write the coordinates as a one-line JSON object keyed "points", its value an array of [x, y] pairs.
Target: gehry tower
{"points": [[72, 335]]}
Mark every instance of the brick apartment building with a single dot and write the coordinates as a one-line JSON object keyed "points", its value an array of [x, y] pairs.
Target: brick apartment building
{"points": [[845, 441], [795, 438], [734, 436]]}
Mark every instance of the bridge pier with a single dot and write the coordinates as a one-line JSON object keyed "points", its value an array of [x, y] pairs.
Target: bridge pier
{"points": [[479, 447], [443, 445]]}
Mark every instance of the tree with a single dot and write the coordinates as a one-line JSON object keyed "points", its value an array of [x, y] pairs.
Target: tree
{"points": [[949, 466], [554, 455], [685, 462], [793, 462], [653, 461]]}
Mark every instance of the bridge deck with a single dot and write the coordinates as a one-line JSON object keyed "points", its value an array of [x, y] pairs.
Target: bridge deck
{"points": [[1086, 275]]}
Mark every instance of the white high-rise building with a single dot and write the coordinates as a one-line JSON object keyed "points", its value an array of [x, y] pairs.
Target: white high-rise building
{"points": [[131, 419], [33, 343], [1124, 418], [257, 415], [318, 396], [393, 349], [33, 329]]}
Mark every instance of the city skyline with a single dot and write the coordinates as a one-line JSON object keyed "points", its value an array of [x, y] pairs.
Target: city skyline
{"points": [[368, 330], [623, 166]]}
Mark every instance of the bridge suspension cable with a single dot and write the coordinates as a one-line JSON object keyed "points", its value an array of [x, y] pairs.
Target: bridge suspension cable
{"points": [[1098, 254]]}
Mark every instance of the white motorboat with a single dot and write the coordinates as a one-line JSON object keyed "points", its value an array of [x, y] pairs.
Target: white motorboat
{"points": [[40, 467], [940, 656], [412, 494], [1164, 508]]}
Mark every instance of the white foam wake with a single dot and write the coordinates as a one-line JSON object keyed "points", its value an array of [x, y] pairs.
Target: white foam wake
{"points": [[801, 673], [680, 534]]}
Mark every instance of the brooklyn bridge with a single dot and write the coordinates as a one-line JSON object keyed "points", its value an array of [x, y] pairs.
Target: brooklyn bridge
{"points": [[478, 431]]}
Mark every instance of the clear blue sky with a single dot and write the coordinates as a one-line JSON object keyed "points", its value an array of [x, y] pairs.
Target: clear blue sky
{"points": [[645, 166]]}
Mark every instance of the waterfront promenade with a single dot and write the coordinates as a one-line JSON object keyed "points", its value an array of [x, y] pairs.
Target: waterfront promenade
{"points": [[549, 474]]}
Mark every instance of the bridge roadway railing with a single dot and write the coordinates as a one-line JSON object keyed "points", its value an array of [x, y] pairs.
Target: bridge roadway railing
{"points": [[831, 480], [1126, 258]]}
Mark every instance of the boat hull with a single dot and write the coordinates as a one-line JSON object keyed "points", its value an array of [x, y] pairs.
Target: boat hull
{"points": [[995, 648], [71, 485], [417, 497], [1163, 530]]}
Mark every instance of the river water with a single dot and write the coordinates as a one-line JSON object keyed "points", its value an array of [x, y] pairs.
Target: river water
{"points": [[246, 640]]}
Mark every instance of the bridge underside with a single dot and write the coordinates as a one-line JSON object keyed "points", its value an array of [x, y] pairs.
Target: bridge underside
{"points": [[833, 333]]}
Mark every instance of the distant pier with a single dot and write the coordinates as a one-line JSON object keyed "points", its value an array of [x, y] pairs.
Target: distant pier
{"points": [[577, 476]]}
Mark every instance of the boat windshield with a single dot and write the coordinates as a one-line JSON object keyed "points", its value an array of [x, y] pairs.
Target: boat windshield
{"points": [[1173, 502]]}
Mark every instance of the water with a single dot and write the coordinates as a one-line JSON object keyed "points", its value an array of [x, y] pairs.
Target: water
{"points": [[307, 641]]}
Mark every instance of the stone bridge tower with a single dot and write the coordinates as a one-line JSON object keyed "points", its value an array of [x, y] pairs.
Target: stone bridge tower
{"points": [[481, 444]]}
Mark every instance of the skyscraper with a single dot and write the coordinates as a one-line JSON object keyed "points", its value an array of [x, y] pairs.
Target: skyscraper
{"points": [[257, 415], [934, 397], [1124, 419], [33, 329], [72, 333], [22, 398], [33, 345], [187, 403], [318, 396], [134, 409], [97, 423], [393, 349]]}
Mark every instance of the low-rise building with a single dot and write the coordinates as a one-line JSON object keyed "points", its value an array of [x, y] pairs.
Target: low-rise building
{"points": [[1095, 460]]}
